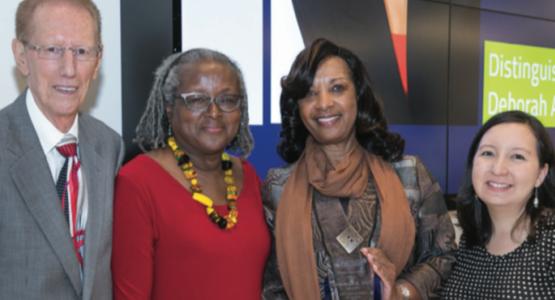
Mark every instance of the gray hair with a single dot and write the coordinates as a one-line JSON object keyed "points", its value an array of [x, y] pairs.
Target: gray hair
{"points": [[153, 128]]}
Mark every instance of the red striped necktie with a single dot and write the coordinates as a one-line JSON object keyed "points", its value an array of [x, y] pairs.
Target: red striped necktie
{"points": [[70, 194]]}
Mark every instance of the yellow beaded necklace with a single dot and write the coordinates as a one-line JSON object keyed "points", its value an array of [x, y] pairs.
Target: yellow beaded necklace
{"points": [[184, 162]]}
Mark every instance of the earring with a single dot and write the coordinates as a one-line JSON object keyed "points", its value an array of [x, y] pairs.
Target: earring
{"points": [[170, 132], [536, 201]]}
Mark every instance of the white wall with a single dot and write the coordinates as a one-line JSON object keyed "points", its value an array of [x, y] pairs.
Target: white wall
{"points": [[105, 94], [235, 29], [8, 80], [287, 42]]}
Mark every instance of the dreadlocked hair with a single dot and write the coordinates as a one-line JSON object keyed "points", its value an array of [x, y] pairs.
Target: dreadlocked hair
{"points": [[154, 127]]}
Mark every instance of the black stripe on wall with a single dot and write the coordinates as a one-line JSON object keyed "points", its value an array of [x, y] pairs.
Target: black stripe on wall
{"points": [[150, 31]]}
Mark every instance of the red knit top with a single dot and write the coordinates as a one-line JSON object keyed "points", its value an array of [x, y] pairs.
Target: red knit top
{"points": [[166, 247]]}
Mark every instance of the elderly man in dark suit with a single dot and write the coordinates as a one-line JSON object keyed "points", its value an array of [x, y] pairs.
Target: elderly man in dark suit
{"points": [[57, 165]]}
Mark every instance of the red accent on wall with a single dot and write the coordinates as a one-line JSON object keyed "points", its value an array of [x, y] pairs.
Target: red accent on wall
{"points": [[400, 48]]}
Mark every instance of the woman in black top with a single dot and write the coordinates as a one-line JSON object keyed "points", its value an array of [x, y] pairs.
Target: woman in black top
{"points": [[505, 208]]}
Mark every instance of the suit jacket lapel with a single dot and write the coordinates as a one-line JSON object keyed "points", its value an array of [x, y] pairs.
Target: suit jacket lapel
{"points": [[31, 175], [97, 207]]}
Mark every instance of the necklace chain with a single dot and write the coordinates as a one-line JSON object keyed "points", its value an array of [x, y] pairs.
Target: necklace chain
{"points": [[184, 162]]}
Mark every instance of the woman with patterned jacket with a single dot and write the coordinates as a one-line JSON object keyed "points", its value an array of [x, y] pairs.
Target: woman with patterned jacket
{"points": [[352, 218]]}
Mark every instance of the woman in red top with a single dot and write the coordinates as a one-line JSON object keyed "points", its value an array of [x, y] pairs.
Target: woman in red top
{"points": [[188, 218]]}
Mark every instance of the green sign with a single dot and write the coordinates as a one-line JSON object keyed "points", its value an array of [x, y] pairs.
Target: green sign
{"points": [[519, 77]]}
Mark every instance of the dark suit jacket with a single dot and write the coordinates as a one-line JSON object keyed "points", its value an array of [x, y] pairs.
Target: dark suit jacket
{"points": [[37, 259]]}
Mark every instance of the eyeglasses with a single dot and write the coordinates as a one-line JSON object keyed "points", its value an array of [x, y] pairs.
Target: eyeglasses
{"points": [[53, 52], [198, 102]]}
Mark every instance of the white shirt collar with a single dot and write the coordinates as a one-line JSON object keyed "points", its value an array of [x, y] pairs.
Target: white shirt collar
{"points": [[48, 134]]}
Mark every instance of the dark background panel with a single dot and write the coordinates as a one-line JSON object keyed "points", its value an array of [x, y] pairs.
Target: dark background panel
{"points": [[149, 30], [542, 9], [427, 61], [517, 29], [464, 66], [464, 90]]}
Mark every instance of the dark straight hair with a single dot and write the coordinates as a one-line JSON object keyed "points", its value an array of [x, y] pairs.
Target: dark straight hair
{"points": [[472, 212]]}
